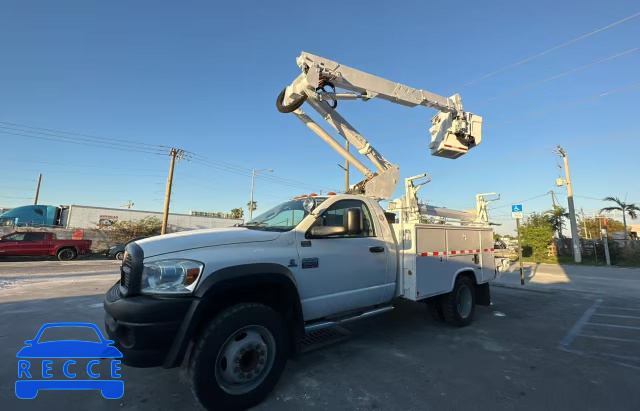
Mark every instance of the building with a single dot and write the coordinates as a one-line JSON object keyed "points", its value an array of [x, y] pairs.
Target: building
{"points": [[85, 217]]}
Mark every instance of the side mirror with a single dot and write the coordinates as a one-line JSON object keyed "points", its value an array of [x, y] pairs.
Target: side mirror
{"points": [[353, 221], [325, 231]]}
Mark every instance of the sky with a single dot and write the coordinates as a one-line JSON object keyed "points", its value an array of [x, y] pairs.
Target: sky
{"points": [[204, 76]]}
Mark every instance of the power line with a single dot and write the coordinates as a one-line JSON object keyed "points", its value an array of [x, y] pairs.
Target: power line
{"points": [[566, 73], [274, 180], [521, 201], [562, 106], [521, 62], [82, 135], [61, 140]]}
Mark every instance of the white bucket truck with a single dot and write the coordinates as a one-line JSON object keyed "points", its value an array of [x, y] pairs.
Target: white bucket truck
{"points": [[234, 303]]}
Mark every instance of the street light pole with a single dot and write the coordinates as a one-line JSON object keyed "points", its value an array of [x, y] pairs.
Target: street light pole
{"points": [[575, 239], [254, 173]]}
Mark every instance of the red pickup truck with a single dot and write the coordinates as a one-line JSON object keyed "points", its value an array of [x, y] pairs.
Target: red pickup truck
{"points": [[38, 243]]}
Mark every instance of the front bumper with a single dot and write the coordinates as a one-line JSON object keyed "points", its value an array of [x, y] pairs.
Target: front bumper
{"points": [[143, 327]]}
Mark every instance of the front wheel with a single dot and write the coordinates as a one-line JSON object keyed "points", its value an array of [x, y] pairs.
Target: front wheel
{"points": [[239, 357], [119, 255], [459, 306]]}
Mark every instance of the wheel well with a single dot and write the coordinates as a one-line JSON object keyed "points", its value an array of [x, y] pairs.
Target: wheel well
{"points": [[67, 247], [274, 295], [467, 273]]}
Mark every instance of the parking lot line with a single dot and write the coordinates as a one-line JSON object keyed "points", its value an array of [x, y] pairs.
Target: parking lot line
{"points": [[607, 338], [619, 308], [618, 316], [614, 326], [577, 327]]}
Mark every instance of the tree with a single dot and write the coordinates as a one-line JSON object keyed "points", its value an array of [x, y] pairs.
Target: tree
{"points": [[594, 226], [557, 216], [496, 237], [237, 213], [253, 206], [123, 231], [536, 233], [626, 208]]}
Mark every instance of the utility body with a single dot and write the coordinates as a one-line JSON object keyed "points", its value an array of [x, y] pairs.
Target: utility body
{"points": [[36, 243], [234, 303]]}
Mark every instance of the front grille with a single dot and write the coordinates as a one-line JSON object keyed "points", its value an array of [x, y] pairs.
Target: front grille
{"points": [[125, 270], [131, 270]]}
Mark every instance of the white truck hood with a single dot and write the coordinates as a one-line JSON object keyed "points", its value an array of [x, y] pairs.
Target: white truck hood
{"points": [[187, 240]]}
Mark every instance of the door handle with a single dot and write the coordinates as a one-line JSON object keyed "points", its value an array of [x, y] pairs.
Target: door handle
{"points": [[377, 249]]}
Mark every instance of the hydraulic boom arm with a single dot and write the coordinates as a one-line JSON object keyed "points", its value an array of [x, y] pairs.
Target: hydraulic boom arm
{"points": [[453, 131]]}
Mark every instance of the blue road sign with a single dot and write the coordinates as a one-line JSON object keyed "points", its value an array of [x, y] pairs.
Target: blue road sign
{"points": [[516, 208]]}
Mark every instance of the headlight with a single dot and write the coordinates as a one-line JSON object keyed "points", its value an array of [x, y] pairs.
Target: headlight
{"points": [[170, 276]]}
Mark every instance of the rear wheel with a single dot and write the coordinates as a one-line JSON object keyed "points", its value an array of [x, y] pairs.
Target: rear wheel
{"points": [[67, 254], [119, 255], [239, 357], [459, 306]]}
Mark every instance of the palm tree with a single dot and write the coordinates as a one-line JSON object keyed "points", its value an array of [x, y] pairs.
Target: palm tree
{"points": [[253, 206], [237, 213], [557, 216], [626, 208]]}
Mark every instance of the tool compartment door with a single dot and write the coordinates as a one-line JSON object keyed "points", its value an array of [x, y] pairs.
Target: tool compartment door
{"points": [[463, 250], [488, 256], [432, 275]]}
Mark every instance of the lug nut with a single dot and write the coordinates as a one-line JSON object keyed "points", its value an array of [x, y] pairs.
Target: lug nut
{"points": [[261, 361]]}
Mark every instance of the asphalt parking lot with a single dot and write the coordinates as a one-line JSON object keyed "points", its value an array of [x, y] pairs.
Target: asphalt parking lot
{"points": [[555, 348]]}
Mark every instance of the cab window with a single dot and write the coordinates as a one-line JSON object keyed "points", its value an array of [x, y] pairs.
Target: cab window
{"points": [[334, 215], [15, 237], [35, 236]]}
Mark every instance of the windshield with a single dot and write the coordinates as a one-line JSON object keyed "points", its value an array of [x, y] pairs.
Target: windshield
{"points": [[283, 217]]}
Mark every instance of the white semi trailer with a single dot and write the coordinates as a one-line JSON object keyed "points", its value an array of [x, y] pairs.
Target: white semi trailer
{"points": [[234, 303]]}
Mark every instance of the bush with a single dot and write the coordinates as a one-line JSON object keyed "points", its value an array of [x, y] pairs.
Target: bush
{"points": [[537, 234], [123, 231]]}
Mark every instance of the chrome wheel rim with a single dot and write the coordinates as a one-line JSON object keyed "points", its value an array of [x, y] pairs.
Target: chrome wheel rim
{"points": [[245, 359], [465, 301], [119, 255]]}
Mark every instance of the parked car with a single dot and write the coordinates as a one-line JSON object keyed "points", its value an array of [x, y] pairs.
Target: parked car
{"points": [[41, 243], [117, 251]]}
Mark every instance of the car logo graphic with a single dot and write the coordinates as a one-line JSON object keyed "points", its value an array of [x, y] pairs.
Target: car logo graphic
{"points": [[28, 383]]}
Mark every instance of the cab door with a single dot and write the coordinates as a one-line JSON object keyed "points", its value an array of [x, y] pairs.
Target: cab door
{"points": [[342, 272], [12, 244], [36, 244]]}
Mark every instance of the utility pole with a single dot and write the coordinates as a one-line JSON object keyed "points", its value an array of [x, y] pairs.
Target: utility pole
{"points": [[584, 223], [35, 200], [520, 252], [553, 198], [346, 169], [575, 240], [254, 173], [167, 196]]}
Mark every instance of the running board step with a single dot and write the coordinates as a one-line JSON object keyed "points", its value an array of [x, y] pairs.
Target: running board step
{"points": [[323, 337], [359, 316]]}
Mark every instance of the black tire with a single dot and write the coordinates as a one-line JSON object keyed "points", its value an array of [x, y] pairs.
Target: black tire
{"points": [[67, 254], [203, 365], [119, 255], [452, 305]]}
